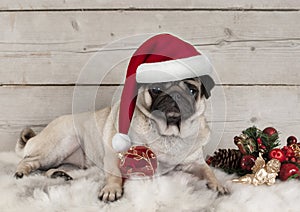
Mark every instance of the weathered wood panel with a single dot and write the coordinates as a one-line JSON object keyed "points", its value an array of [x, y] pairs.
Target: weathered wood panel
{"points": [[49, 42], [36, 106], [91, 30], [143, 4], [276, 106], [249, 62], [237, 44]]}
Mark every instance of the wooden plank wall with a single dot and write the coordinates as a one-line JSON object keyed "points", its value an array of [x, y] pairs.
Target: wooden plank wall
{"points": [[254, 46]]}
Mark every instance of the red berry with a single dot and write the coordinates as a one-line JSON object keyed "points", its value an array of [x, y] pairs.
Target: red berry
{"points": [[263, 147], [293, 159], [247, 162], [277, 154], [270, 131], [208, 160], [291, 140], [287, 170], [285, 148], [259, 141]]}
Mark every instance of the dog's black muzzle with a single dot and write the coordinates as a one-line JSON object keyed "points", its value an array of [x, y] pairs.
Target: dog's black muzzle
{"points": [[174, 107]]}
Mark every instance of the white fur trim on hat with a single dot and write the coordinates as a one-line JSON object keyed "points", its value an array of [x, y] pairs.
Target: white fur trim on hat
{"points": [[121, 142], [173, 70]]}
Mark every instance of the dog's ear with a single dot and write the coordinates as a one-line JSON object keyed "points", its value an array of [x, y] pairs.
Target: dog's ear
{"points": [[26, 134], [207, 84]]}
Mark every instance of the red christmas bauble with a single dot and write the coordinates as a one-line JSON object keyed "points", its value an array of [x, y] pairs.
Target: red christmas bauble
{"points": [[287, 170], [277, 154], [270, 131], [291, 140], [247, 162], [138, 161]]}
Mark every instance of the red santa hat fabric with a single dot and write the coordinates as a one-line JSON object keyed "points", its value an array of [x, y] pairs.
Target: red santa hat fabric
{"points": [[161, 58]]}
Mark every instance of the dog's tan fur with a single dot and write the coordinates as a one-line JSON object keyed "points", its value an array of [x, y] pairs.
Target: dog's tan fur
{"points": [[84, 140]]}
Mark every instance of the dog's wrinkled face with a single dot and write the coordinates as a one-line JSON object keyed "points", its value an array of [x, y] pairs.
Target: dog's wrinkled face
{"points": [[174, 101], [177, 101]]}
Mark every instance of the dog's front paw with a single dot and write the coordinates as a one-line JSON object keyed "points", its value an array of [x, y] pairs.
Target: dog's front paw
{"points": [[111, 192], [215, 186]]}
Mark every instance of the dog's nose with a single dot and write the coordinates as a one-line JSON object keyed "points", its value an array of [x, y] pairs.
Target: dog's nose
{"points": [[175, 96]]}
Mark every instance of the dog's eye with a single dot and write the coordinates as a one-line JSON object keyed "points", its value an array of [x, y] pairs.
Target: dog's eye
{"points": [[193, 92], [155, 90], [192, 89]]}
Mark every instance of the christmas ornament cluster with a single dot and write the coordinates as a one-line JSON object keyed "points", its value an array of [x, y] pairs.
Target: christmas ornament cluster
{"points": [[255, 144]]}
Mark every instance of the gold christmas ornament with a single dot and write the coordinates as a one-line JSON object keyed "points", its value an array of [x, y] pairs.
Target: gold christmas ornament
{"points": [[262, 173], [296, 149], [245, 144]]}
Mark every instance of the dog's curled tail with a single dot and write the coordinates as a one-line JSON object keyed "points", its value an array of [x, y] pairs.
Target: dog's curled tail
{"points": [[25, 135]]}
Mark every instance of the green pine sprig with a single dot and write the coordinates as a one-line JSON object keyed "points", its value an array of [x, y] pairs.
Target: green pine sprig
{"points": [[252, 132], [270, 142]]}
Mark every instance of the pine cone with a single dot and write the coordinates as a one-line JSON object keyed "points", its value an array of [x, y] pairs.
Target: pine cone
{"points": [[228, 159]]}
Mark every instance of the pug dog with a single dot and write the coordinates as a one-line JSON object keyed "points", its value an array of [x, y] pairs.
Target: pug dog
{"points": [[169, 118]]}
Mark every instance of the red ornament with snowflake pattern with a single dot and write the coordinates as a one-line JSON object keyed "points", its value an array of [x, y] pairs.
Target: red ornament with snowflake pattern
{"points": [[138, 161]]}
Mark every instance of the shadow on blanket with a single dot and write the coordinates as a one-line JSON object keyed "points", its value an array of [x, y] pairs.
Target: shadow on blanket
{"points": [[176, 191]]}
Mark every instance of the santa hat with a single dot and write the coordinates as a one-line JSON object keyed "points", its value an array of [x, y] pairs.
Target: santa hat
{"points": [[161, 58]]}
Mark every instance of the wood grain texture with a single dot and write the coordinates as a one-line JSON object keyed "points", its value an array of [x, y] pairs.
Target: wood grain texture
{"points": [[90, 30], [254, 47], [247, 45], [263, 106], [143, 4], [25, 106], [249, 62]]}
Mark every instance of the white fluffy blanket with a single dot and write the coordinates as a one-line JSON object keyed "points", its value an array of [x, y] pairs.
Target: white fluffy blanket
{"points": [[176, 191]]}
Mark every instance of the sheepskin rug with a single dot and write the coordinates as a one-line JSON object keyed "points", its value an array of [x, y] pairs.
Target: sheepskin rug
{"points": [[175, 191]]}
